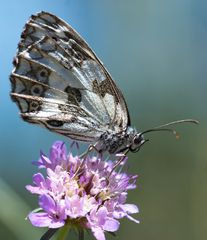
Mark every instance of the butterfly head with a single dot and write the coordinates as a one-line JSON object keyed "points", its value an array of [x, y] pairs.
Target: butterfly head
{"points": [[137, 141]]}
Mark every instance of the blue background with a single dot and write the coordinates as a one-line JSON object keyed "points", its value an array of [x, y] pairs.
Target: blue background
{"points": [[157, 53]]}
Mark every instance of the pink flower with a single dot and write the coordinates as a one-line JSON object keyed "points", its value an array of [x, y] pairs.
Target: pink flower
{"points": [[85, 192]]}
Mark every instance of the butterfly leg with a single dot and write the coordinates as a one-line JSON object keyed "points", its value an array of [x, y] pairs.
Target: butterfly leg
{"points": [[118, 163], [89, 149], [84, 155]]}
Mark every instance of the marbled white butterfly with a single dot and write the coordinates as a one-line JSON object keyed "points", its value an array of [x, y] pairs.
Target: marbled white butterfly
{"points": [[58, 82]]}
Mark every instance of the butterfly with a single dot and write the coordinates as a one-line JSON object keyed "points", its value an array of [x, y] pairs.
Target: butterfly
{"points": [[58, 82]]}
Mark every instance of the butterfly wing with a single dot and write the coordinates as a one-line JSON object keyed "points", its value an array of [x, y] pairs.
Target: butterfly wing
{"points": [[59, 82]]}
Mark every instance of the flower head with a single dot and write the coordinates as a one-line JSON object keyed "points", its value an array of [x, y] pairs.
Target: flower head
{"points": [[87, 192]]}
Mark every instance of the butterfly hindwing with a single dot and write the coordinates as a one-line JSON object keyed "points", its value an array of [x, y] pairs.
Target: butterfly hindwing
{"points": [[59, 82]]}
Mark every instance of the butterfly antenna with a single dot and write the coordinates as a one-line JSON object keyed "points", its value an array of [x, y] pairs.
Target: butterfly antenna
{"points": [[163, 127]]}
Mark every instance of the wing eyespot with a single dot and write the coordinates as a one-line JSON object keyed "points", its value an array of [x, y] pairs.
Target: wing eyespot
{"points": [[55, 123], [34, 106], [37, 90], [42, 75]]}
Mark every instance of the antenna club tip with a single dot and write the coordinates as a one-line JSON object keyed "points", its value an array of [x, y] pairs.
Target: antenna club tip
{"points": [[191, 121], [177, 136], [196, 121]]}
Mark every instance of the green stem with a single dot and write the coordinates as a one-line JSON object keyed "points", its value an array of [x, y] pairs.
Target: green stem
{"points": [[80, 234], [50, 232], [63, 232]]}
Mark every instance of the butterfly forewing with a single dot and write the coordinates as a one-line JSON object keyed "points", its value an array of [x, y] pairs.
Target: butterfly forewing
{"points": [[59, 82]]}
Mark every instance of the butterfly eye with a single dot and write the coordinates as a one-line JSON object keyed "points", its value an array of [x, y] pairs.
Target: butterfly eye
{"points": [[137, 140], [137, 143]]}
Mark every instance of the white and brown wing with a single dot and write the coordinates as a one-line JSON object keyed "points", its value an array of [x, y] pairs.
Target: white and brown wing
{"points": [[59, 82]]}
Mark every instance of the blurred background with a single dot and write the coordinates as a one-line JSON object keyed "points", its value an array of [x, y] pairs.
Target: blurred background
{"points": [[156, 51]]}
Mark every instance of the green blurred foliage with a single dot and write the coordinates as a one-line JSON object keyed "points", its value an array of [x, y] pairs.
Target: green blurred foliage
{"points": [[157, 53]]}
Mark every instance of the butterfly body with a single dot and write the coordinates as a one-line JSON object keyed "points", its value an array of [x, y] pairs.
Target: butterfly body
{"points": [[116, 142]]}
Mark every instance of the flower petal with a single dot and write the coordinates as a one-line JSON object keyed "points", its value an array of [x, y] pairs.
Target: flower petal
{"points": [[129, 208], [98, 233], [101, 215], [111, 225], [57, 224], [47, 203], [39, 219], [119, 214], [58, 151], [38, 178], [33, 190], [45, 160]]}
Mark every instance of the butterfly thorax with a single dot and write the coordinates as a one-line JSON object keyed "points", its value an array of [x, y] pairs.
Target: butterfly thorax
{"points": [[116, 142]]}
